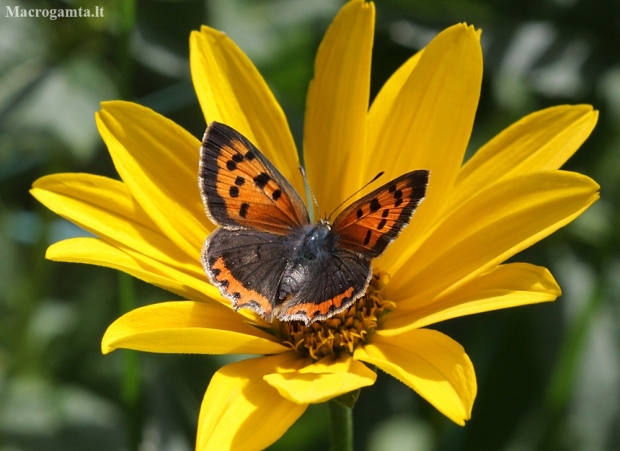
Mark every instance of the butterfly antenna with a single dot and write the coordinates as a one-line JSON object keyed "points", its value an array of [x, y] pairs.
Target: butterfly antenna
{"points": [[344, 201], [316, 204]]}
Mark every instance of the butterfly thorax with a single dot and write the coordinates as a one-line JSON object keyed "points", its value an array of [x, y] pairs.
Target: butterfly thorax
{"points": [[317, 239], [311, 245]]}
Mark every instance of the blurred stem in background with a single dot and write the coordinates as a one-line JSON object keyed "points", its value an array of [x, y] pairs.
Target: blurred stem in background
{"points": [[564, 376], [127, 12], [132, 383]]}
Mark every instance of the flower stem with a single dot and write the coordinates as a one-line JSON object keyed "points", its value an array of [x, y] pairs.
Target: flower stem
{"points": [[341, 427]]}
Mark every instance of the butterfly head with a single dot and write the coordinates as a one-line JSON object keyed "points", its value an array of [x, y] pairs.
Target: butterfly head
{"points": [[324, 224]]}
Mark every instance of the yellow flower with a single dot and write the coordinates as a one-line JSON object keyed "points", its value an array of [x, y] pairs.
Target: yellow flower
{"points": [[447, 263]]}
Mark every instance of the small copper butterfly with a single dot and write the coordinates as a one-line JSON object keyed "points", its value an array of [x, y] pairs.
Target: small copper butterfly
{"points": [[268, 257]]}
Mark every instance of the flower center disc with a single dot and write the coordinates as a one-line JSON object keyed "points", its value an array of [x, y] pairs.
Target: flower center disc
{"points": [[342, 332]]}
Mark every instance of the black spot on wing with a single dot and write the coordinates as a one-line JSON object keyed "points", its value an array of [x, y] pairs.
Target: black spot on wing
{"points": [[367, 238], [243, 211], [233, 191], [374, 205], [262, 179], [239, 181], [231, 165], [276, 194]]}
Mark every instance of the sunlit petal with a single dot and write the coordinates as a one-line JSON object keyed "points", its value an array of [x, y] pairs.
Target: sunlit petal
{"points": [[386, 98], [338, 96], [94, 251], [231, 90], [322, 381], [427, 126], [241, 411], [432, 364], [506, 286], [490, 227], [158, 161], [187, 327], [543, 140], [106, 208]]}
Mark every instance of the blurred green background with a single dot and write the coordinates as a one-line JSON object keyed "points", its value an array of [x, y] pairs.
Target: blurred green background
{"points": [[548, 375]]}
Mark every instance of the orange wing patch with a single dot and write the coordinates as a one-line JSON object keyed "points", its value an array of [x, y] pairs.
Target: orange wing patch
{"points": [[372, 222], [250, 191], [241, 188], [313, 311], [240, 296]]}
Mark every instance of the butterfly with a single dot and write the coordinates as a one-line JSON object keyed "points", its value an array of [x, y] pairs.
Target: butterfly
{"points": [[267, 256]]}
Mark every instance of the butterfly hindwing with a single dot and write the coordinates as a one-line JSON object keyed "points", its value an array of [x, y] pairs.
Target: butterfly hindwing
{"points": [[368, 225], [246, 265], [330, 286], [241, 188]]}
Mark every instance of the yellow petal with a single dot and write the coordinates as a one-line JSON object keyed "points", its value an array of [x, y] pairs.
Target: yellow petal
{"points": [[490, 227], [186, 327], [427, 126], [106, 208], [97, 252], [386, 98], [540, 141], [94, 251], [242, 412], [432, 364], [506, 286], [231, 90], [158, 161], [337, 104], [322, 381]]}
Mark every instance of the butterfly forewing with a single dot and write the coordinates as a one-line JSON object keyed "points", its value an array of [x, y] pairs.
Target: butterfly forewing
{"points": [[371, 223], [241, 188]]}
